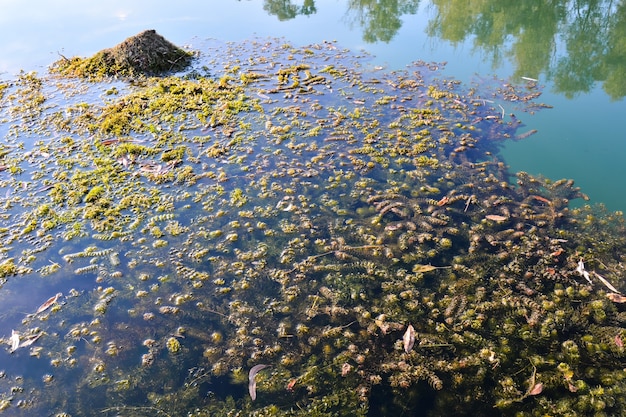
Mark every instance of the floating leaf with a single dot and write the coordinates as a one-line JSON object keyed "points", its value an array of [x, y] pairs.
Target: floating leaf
{"points": [[616, 298], [496, 218], [536, 390], [409, 338], [15, 340], [48, 303], [252, 379], [418, 268], [581, 270], [606, 283], [30, 340]]}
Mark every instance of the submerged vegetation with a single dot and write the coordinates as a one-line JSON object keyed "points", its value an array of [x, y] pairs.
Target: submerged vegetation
{"points": [[590, 31], [352, 230]]}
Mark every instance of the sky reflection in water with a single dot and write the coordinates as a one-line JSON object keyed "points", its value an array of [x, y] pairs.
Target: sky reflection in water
{"points": [[123, 21], [578, 139]]}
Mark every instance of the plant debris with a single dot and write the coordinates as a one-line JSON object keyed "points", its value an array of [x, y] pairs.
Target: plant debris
{"points": [[146, 53], [288, 206]]}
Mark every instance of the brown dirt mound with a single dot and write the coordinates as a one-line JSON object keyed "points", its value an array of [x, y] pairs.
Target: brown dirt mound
{"points": [[146, 53]]}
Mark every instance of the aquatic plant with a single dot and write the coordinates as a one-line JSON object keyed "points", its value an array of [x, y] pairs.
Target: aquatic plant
{"points": [[352, 228], [146, 53]]}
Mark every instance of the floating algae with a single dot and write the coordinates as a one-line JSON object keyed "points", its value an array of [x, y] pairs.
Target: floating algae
{"points": [[296, 209]]}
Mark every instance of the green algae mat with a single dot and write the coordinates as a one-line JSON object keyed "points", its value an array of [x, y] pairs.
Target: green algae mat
{"points": [[291, 231]]}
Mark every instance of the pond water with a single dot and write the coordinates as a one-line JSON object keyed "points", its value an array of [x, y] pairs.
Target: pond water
{"points": [[344, 217], [575, 52]]}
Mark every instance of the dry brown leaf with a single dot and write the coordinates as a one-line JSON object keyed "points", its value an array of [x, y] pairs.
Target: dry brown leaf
{"points": [[616, 298], [418, 268], [606, 282], [423, 268], [496, 217], [409, 338], [252, 379], [536, 390], [48, 303]]}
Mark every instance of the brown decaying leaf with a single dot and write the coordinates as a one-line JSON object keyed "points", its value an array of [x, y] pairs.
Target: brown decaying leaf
{"points": [[496, 217], [252, 379], [418, 268], [536, 390], [616, 298], [606, 283], [409, 338], [423, 268], [48, 303]]}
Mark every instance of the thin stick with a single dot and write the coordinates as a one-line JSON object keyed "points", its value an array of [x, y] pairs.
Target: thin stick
{"points": [[502, 110]]}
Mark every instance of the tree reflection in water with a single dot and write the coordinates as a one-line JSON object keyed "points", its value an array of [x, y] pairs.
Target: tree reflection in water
{"points": [[574, 44]]}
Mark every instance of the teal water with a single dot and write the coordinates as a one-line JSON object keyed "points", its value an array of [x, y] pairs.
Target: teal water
{"points": [[572, 48], [230, 270]]}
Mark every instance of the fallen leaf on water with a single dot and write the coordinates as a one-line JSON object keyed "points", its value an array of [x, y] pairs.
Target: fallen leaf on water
{"points": [[605, 282], [48, 303], [29, 340], [536, 390], [616, 298], [496, 217], [583, 272], [15, 340], [409, 338], [252, 379], [418, 268]]}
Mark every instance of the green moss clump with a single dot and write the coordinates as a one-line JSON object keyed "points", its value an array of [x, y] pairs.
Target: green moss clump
{"points": [[146, 53], [133, 149], [3, 87], [8, 268], [94, 194], [175, 154]]}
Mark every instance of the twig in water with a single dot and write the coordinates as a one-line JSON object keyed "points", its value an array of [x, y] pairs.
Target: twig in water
{"points": [[152, 411], [502, 108], [468, 202]]}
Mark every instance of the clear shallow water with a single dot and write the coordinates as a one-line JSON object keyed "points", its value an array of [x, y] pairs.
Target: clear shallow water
{"points": [[219, 251], [24, 295], [580, 138]]}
